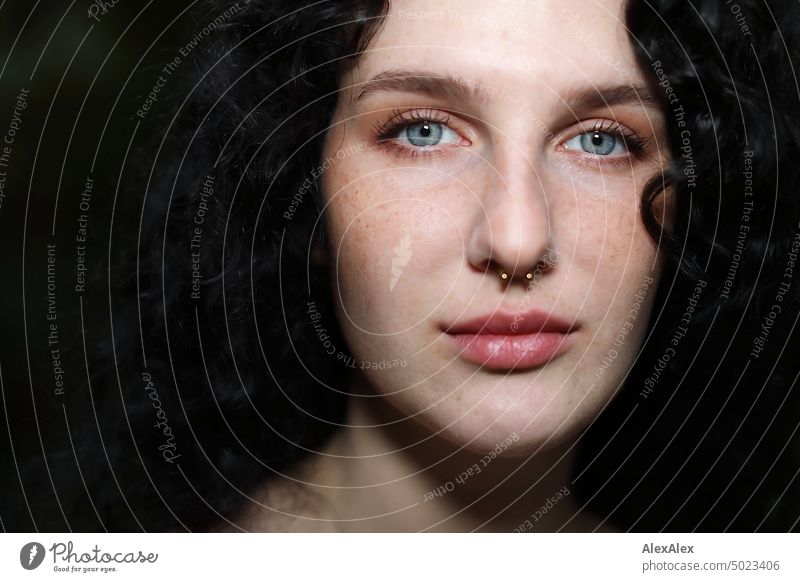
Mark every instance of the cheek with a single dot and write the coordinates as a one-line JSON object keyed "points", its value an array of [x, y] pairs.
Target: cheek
{"points": [[615, 271], [608, 216], [392, 251], [608, 236]]}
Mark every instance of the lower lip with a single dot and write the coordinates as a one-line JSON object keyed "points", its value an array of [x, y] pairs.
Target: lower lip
{"points": [[510, 351]]}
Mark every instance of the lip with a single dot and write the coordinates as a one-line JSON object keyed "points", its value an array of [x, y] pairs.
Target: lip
{"points": [[511, 340]]}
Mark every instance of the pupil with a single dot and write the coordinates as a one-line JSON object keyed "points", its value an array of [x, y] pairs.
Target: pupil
{"points": [[597, 139], [426, 130]]}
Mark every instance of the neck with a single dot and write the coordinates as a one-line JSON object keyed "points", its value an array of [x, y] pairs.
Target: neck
{"points": [[385, 472]]}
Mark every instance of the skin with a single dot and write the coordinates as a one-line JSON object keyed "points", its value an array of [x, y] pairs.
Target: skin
{"points": [[509, 186]]}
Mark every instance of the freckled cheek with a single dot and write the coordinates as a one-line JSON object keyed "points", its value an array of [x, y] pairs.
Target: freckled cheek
{"points": [[605, 232], [613, 254], [394, 249]]}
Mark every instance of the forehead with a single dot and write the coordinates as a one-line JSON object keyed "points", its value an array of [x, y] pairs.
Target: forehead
{"points": [[507, 42]]}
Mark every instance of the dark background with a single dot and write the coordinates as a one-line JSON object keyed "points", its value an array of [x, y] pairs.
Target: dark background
{"points": [[86, 80]]}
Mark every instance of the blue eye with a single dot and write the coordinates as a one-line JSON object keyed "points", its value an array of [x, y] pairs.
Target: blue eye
{"points": [[599, 143], [427, 133]]}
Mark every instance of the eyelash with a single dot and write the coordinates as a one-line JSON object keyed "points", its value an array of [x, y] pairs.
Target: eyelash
{"points": [[386, 132]]}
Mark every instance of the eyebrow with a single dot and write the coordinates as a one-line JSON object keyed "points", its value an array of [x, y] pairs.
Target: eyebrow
{"points": [[431, 84], [608, 96], [454, 86]]}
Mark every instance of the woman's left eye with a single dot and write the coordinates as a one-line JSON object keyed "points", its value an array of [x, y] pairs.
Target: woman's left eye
{"points": [[598, 143], [426, 134]]}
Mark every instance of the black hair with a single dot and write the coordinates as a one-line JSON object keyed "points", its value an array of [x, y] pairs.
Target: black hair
{"points": [[241, 378], [703, 434]]}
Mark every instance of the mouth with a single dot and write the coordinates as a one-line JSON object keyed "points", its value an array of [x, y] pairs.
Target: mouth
{"points": [[507, 341]]}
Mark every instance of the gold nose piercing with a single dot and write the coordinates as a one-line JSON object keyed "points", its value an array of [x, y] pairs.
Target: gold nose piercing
{"points": [[504, 275]]}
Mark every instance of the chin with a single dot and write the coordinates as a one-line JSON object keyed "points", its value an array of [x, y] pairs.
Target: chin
{"points": [[515, 434]]}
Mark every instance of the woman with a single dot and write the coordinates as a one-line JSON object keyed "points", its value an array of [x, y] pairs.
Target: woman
{"points": [[413, 258], [482, 230]]}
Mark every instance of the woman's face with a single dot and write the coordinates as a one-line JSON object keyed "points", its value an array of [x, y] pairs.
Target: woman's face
{"points": [[473, 137]]}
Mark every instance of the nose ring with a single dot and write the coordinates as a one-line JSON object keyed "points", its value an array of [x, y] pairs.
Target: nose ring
{"points": [[504, 275]]}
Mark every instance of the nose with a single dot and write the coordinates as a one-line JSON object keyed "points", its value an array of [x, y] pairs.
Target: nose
{"points": [[511, 231]]}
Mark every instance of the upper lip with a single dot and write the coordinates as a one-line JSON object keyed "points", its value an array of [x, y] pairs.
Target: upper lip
{"points": [[502, 322]]}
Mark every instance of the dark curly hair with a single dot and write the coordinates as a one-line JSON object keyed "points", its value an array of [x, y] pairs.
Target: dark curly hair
{"points": [[209, 380], [703, 437]]}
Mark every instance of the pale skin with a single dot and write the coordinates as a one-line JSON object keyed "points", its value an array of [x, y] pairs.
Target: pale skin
{"points": [[525, 141]]}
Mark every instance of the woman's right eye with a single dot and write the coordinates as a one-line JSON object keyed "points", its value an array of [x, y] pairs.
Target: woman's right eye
{"points": [[427, 134], [419, 133]]}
